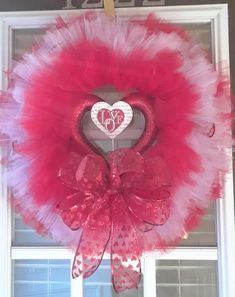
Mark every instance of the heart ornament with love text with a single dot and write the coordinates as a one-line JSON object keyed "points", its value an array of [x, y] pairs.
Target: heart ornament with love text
{"points": [[111, 120]]}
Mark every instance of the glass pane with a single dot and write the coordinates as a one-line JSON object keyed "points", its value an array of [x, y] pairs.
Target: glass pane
{"points": [[205, 234], [201, 33], [47, 278], [24, 235], [186, 278], [100, 284], [23, 40]]}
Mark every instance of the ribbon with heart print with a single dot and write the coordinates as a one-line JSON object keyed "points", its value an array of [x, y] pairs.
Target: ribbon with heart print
{"points": [[112, 201]]}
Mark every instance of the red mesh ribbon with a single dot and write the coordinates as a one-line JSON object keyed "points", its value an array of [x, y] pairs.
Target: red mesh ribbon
{"points": [[112, 200]]}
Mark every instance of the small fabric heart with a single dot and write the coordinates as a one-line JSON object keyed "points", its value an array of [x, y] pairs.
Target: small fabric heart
{"points": [[111, 120]]}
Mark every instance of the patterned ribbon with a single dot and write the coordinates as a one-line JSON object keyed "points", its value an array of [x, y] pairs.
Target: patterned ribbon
{"points": [[112, 201]]}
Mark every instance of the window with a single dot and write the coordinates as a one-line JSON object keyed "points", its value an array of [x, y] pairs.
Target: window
{"points": [[203, 265], [41, 278]]}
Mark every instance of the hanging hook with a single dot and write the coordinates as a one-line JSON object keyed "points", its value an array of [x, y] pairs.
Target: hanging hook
{"points": [[109, 7]]}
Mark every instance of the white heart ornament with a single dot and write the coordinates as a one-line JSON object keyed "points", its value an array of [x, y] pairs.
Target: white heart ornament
{"points": [[111, 120]]}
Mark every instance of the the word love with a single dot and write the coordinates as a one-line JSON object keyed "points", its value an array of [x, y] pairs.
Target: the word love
{"points": [[111, 120]]}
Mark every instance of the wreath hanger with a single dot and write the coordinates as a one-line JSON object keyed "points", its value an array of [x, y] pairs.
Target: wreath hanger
{"points": [[109, 7]]}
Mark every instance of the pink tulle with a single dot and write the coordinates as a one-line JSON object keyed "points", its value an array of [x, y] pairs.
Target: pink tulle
{"points": [[189, 101]]}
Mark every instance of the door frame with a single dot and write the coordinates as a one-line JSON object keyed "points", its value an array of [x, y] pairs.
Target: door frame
{"points": [[217, 16]]}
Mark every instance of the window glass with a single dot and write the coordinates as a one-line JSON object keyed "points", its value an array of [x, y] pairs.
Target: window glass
{"points": [[201, 33], [100, 284], [186, 278], [205, 234], [44, 278], [24, 235]]}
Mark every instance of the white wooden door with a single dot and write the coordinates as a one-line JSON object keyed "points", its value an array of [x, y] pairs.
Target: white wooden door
{"points": [[204, 264]]}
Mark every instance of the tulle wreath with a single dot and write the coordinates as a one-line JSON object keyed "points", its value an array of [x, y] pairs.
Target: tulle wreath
{"points": [[138, 200]]}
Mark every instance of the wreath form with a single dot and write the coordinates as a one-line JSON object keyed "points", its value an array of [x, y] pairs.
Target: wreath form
{"points": [[190, 105]]}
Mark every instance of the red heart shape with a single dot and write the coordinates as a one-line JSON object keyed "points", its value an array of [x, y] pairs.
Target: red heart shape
{"points": [[136, 101]]}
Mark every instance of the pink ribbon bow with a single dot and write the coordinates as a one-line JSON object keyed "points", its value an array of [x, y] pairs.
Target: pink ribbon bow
{"points": [[112, 201]]}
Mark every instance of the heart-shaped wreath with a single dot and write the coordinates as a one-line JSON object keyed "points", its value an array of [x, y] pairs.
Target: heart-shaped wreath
{"points": [[133, 200]]}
